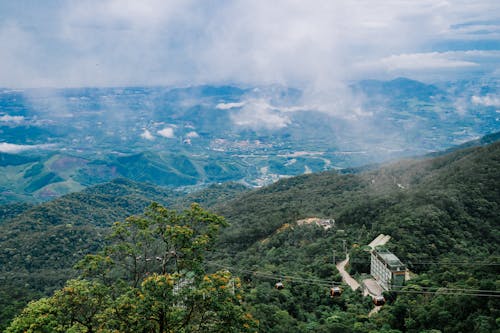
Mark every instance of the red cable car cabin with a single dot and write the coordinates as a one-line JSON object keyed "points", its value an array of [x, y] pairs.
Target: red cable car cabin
{"points": [[379, 300], [335, 291]]}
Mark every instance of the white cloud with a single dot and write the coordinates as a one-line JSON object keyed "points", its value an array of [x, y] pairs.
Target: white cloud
{"points": [[227, 106], [11, 119], [418, 62], [488, 100], [15, 148], [167, 132], [259, 114], [430, 65], [147, 135], [192, 135], [461, 106], [487, 30], [307, 43]]}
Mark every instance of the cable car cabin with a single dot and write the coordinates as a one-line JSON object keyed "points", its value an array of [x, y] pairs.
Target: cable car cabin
{"points": [[378, 300], [279, 285], [335, 291]]}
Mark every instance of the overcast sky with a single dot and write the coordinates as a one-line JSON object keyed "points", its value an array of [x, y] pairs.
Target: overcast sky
{"points": [[63, 43]]}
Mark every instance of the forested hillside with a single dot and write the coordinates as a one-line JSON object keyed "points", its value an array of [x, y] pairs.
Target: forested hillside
{"points": [[40, 244], [443, 216], [442, 213]]}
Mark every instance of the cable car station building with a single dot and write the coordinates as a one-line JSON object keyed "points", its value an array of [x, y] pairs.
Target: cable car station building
{"points": [[387, 269]]}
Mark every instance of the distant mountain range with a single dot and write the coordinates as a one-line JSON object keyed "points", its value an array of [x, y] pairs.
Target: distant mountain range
{"points": [[59, 141]]}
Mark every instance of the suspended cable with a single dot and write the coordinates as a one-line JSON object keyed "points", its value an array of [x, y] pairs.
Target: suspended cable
{"points": [[325, 283], [279, 276], [444, 262], [443, 292]]}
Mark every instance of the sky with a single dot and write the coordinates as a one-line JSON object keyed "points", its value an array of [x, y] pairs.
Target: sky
{"points": [[317, 44]]}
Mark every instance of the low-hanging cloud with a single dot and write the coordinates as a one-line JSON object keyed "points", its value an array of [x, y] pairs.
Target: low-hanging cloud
{"points": [[192, 135], [11, 119], [146, 134], [257, 114], [318, 46], [422, 61], [488, 100], [15, 148], [228, 106], [167, 132]]}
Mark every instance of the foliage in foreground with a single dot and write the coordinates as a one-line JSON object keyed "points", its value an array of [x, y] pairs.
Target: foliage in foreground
{"points": [[150, 279]]}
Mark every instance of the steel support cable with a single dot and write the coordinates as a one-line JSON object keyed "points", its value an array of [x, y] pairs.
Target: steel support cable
{"points": [[432, 289], [443, 292], [275, 276], [319, 282], [284, 277], [443, 262]]}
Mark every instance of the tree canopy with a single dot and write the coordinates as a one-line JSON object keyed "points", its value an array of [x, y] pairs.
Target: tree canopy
{"points": [[150, 279]]}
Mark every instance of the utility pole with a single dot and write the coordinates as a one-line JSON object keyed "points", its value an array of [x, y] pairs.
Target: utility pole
{"points": [[334, 257], [345, 250]]}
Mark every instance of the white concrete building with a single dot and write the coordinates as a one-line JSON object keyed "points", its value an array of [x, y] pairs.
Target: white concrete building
{"points": [[387, 269]]}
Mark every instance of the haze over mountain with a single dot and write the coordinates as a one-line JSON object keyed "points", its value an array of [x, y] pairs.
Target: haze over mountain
{"points": [[59, 141], [381, 115]]}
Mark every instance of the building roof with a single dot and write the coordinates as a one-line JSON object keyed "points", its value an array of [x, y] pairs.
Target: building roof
{"points": [[390, 259]]}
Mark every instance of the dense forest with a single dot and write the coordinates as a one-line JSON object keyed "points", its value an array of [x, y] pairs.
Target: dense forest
{"points": [[40, 244], [442, 213], [149, 279]]}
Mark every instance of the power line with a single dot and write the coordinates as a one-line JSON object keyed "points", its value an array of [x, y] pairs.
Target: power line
{"points": [[437, 289], [325, 283], [410, 262], [276, 276], [444, 293], [444, 261]]}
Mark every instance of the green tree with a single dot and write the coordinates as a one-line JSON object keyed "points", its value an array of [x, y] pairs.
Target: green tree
{"points": [[150, 279], [37, 316], [75, 308], [160, 241]]}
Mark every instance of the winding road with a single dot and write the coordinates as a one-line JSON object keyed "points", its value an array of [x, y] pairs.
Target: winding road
{"points": [[345, 276], [372, 288]]}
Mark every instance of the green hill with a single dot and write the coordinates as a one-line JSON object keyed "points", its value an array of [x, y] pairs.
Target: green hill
{"points": [[442, 213], [46, 177], [39, 244]]}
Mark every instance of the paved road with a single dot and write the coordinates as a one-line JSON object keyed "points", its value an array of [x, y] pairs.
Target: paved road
{"points": [[374, 310], [372, 287], [345, 276]]}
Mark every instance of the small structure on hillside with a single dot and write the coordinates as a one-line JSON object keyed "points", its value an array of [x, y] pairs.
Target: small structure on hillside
{"points": [[379, 241], [324, 223], [387, 269]]}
